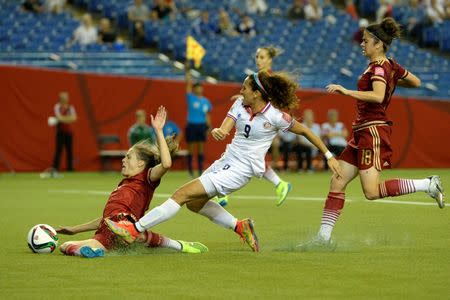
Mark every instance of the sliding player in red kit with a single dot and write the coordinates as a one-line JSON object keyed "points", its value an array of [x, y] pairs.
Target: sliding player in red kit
{"points": [[131, 199]]}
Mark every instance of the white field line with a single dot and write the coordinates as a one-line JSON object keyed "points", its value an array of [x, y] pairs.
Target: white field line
{"points": [[290, 198]]}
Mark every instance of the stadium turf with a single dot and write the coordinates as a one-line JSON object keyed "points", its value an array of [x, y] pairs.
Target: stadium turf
{"points": [[383, 250]]}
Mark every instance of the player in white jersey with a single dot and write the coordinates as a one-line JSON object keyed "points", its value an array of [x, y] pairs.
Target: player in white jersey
{"points": [[257, 118]]}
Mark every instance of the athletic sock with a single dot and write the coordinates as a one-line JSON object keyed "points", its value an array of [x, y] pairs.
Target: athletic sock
{"points": [[158, 215], [154, 240], [189, 163], [331, 213], [397, 187], [218, 215], [270, 175], [73, 250], [200, 159]]}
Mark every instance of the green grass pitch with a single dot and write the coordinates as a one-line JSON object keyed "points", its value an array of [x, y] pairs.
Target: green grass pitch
{"points": [[384, 250]]}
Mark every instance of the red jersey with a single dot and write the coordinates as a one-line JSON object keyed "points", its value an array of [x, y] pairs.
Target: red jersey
{"points": [[133, 195], [64, 111], [387, 71]]}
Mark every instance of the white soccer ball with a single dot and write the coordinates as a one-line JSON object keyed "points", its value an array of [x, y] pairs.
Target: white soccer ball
{"points": [[52, 121], [42, 238]]}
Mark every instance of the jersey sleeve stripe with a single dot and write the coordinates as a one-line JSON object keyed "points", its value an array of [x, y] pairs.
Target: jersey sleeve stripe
{"points": [[405, 75], [377, 78], [289, 127], [231, 117]]}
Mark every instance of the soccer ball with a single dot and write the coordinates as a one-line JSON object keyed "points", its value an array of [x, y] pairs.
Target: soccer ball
{"points": [[42, 238]]}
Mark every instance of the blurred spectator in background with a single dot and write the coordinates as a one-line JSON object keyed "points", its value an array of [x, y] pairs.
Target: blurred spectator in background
{"points": [[247, 26], [198, 121], [351, 9], [334, 133], [55, 6], [254, 7], [66, 115], [414, 18], [435, 11], [106, 34], [384, 10], [138, 39], [288, 145], [140, 130], [138, 12], [33, 6], [226, 27], [162, 10], [204, 26], [86, 33], [297, 10], [306, 150], [313, 11], [358, 35]]}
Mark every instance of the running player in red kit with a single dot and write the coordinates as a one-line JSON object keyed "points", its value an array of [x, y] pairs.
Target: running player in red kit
{"points": [[131, 199], [369, 149]]}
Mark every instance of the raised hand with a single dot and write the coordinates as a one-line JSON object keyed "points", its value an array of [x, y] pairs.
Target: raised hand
{"points": [[160, 119]]}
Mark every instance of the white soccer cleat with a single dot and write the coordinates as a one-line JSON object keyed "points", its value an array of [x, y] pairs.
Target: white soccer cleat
{"points": [[436, 191]]}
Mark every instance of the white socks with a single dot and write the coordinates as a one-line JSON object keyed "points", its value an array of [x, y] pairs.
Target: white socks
{"points": [[171, 244], [421, 185], [218, 215], [158, 215], [325, 232], [270, 175]]}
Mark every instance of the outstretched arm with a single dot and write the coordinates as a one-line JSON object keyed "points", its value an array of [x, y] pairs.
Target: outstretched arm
{"points": [[224, 130], [158, 122], [188, 77], [410, 81], [71, 230], [374, 96], [298, 128]]}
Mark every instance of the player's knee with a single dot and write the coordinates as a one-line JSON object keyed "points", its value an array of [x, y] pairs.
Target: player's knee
{"points": [[371, 194], [192, 206]]}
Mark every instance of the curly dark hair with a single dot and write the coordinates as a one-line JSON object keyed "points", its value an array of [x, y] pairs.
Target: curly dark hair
{"points": [[386, 31], [278, 88]]}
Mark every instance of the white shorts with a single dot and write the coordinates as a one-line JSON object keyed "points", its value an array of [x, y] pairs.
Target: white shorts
{"points": [[225, 176]]}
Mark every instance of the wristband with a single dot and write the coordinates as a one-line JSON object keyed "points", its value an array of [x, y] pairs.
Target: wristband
{"points": [[328, 155]]}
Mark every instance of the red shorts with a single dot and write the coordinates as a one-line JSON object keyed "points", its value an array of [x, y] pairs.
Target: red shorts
{"points": [[106, 237], [370, 146]]}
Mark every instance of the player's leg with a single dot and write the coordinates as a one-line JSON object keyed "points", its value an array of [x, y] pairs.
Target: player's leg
{"points": [[155, 240], [336, 199], [200, 157], [87, 248]]}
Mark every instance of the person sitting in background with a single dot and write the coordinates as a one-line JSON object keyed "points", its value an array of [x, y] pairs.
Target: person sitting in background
{"points": [[384, 10], [33, 6], [288, 145], [55, 6], [170, 129], [161, 10], [350, 8], [254, 7], [205, 26], [106, 34], [138, 12], [226, 27], [313, 11], [138, 40], [334, 133], [358, 35], [86, 33], [247, 26], [435, 11], [296, 11], [140, 130], [306, 148]]}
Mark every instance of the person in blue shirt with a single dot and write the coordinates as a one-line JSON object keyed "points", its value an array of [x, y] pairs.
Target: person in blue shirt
{"points": [[198, 121], [170, 129]]}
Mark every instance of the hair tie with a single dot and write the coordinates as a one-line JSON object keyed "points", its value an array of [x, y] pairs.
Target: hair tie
{"points": [[258, 83]]}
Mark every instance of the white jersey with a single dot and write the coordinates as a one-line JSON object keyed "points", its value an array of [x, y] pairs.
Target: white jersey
{"points": [[255, 132]]}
